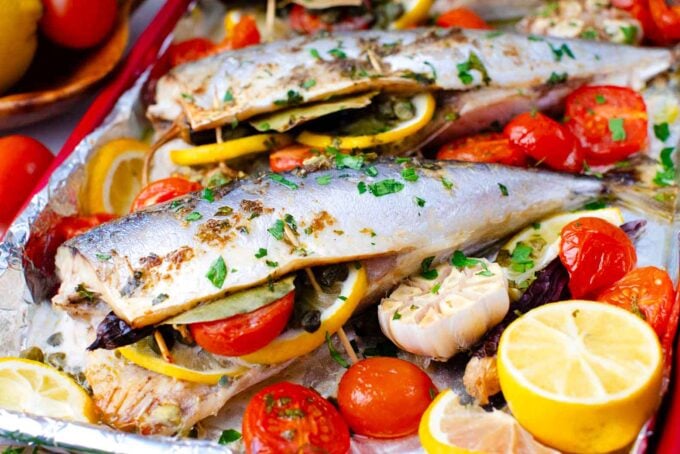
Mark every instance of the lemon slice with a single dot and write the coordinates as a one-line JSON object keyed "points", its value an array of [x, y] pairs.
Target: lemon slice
{"points": [[447, 427], [231, 149], [581, 376], [114, 176], [544, 240], [424, 105], [298, 342], [33, 387], [189, 363], [415, 13]]}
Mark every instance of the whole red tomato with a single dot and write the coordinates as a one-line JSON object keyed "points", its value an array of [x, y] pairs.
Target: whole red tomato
{"points": [[384, 397], [78, 24], [23, 160]]}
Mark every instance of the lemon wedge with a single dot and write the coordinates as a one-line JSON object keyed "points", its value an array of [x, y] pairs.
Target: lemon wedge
{"points": [[447, 427], [114, 176], [424, 105], [415, 13], [298, 342], [35, 388], [189, 363], [231, 149], [543, 241], [581, 376]]}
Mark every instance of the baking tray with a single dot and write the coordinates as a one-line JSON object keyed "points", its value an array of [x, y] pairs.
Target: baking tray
{"points": [[107, 110]]}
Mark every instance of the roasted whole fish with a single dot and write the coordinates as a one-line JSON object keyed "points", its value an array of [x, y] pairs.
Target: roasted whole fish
{"points": [[157, 263]]}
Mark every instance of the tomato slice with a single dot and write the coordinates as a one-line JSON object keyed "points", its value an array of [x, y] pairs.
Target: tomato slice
{"points": [[244, 33], [289, 158], [596, 254], [289, 418], [384, 397], [162, 191], [463, 18], [305, 21], [244, 333], [190, 50], [494, 147], [609, 121], [545, 140]]}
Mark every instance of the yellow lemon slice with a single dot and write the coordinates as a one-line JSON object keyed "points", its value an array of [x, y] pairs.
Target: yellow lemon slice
{"points": [[447, 427], [298, 342], [189, 363], [542, 244], [424, 105], [114, 176], [231, 149], [581, 376], [415, 13], [35, 388]]}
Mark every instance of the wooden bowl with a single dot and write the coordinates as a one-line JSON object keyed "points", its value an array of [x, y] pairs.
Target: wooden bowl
{"points": [[58, 76]]}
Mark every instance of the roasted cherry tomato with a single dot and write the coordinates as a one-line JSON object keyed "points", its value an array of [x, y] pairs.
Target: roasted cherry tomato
{"points": [[244, 333], [289, 418], [305, 21], [162, 191], [483, 148], [596, 254], [244, 33], [190, 50], [463, 18], [660, 21], [72, 226], [384, 397], [78, 24], [23, 160], [289, 158], [545, 140], [610, 122]]}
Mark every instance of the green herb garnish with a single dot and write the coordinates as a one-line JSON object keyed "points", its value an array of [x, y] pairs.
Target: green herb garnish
{"points": [[283, 181], [323, 180], [229, 436], [662, 131], [503, 189], [521, 258], [334, 353], [228, 96], [617, 129], [385, 187], [630, 33], [337, 53], [276, 229], [420, 202], [217, 272], [361, 186], [473, 63], [103, 257], [208, 195], [556, 78], [307, 84], [426, 269], [409, 174], [261, 253], [293, 98], [665, 176], [193, 216], [561, 51]]}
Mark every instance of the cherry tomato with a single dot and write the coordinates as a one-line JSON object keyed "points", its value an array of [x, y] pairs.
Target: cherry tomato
{"points": [[78, 24], [305, 21], [244, 33], [660, 21], [244, 333], [384, 397], [596, 254], [23, 160], [610, 122], [463, 18], [190, 50], [289, 418], [483, 148], [72, 226], [546, 141], [289, 158], [162, 191]]}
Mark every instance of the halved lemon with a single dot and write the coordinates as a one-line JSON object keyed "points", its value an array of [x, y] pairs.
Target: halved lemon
{"points": [[544, 240], [581, 376], [415, 13], [298, 342], [231, 149], [189, 363], [114, 176], [35, 388], [447, 427], [424, 105]]}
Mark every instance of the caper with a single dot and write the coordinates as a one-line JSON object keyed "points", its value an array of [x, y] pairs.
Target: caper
{"points": [[55, 339], [311, 321], [33, 353]]}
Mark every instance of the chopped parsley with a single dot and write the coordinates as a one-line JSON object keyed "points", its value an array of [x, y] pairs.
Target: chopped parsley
{"points": [[420, 202], [504, 189], [159, 298], [662, 131], [276, 230], [323, 180], [103, 257], [293, 98], [371, 171], [595, 205], [361, 186], [346, 161], [617, 129], [290, 220], [193, 216], [315, 53], [229, 436], [426, 269], [473, 63], [261, 253], [589, 33], [396, 315], [334, 353], [665, 176], [561, 51], [282, 181], [451, 116], [264, 126], [337, 53], [228, 96], [600, 99], [447, 183], [208, 195], [520, 260], [385, 187], [630, 33], [217, 272], [271, 263], [494, 34], [535, 38], [460, 261], [435, 290], [187, 97], [409, 174], [307, 84], [84, 292], [556, 78]]}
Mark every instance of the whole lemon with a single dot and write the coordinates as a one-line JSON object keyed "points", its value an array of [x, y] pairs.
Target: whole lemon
{"points": [[18, 39]]}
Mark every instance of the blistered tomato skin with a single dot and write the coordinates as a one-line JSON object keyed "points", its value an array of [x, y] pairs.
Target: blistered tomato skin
{"points": [[289, 418], [384, 397]]}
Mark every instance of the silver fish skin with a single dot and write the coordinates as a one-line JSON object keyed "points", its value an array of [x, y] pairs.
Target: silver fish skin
{"points": [[237, 85], [154, 264]]}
